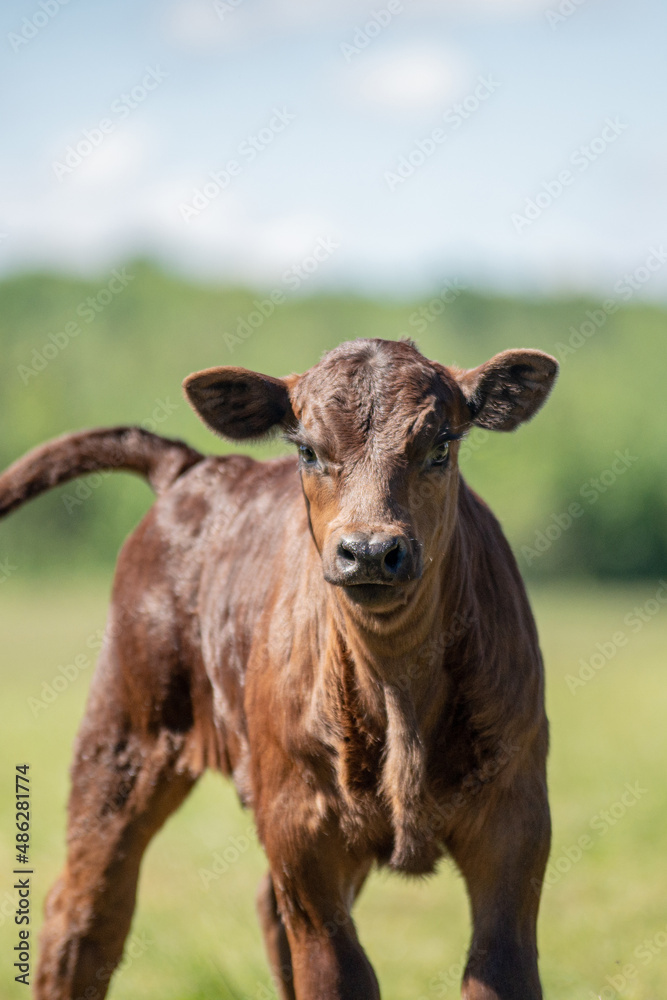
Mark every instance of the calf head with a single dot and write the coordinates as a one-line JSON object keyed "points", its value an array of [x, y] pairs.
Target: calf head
{"points": [[377, 427]]}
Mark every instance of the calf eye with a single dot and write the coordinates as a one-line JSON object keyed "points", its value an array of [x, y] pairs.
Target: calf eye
{"points": [[439, 454], [308, 456]]}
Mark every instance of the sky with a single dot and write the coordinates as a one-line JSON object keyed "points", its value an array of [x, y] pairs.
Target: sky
{"points": [[384, 147]]}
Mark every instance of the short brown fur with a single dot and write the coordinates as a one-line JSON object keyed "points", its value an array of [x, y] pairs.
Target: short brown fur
{"points": [[349, 638]]}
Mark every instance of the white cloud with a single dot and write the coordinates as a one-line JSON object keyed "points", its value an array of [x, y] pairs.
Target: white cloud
{"points": [[119, 157], [205, 24], [194, 24], [415, 78], [229, 237], [488, 9], [290, 237]]}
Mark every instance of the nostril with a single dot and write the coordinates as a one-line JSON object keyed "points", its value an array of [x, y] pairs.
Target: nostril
{"points": [[372, 557], [393, 558], [346, 554]]}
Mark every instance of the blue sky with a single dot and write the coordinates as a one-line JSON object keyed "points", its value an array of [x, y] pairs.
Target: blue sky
{"points": [[329, 126]]}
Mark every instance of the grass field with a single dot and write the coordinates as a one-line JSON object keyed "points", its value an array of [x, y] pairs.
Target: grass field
{"points": [[195, 936]]}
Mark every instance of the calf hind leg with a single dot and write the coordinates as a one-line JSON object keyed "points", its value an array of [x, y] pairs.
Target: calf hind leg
{"points": [[124, 786]]}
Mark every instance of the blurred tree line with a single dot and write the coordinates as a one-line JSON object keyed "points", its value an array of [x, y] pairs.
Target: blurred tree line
{"points": [[581, 491]]}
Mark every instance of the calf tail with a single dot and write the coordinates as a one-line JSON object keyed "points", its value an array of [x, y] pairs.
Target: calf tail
{"points": [[159, 460]]}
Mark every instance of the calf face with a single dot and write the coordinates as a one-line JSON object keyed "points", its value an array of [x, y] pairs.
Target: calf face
{"points": [[377, 427]]}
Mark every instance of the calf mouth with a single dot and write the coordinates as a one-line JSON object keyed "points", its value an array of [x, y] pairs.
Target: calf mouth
{"points": [[375, 596]]}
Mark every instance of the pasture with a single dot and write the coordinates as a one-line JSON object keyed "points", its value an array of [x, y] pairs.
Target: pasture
{"points": [[603, 927]]}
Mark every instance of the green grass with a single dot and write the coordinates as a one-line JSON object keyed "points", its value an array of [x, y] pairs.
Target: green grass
{"points": [[190, 942]]}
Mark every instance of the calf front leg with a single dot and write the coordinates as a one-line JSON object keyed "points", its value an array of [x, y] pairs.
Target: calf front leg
{"points": [[275, 939], [501, 847], [314, 894]]}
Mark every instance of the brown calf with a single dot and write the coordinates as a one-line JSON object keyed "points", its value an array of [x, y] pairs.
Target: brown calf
{"points": [[348, 638]]}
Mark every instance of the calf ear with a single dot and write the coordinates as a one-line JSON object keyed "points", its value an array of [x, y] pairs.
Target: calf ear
{"points": [[509, 388], [239, 404]]}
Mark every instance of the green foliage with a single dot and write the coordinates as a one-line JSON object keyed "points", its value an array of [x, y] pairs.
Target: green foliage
{"points": [[126, 361]]}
